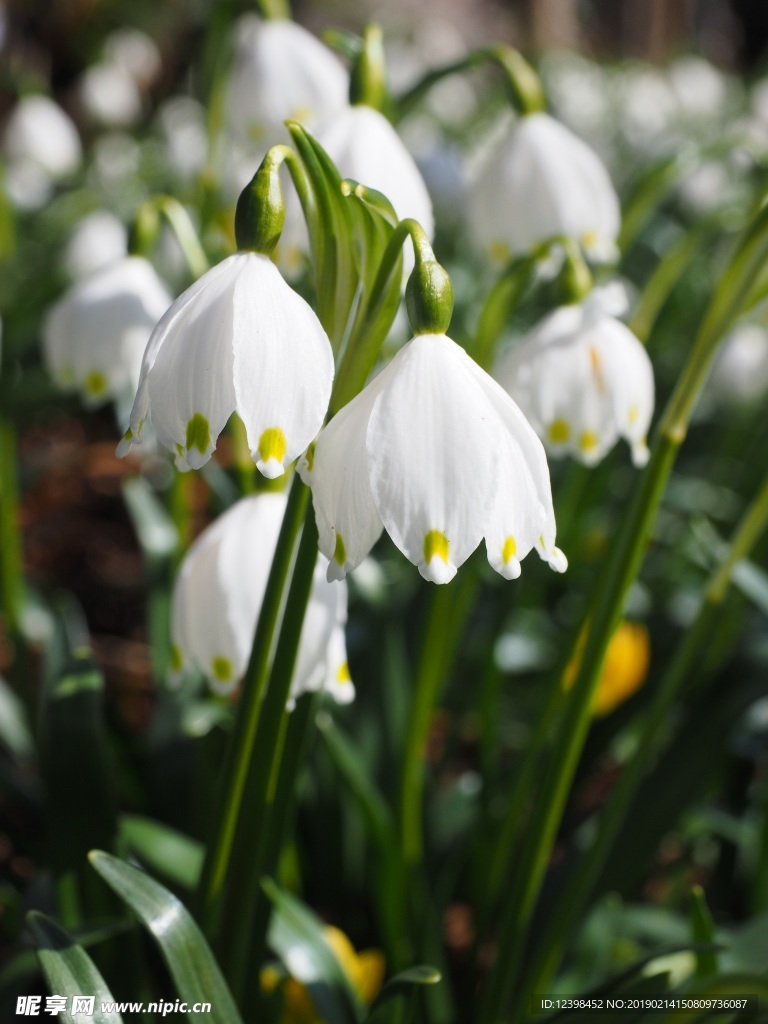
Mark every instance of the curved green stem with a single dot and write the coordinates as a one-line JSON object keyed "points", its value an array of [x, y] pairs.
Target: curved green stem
{"points": [[228, 806], [147, 226], [274, 10], [605, 611], [500, 304]]}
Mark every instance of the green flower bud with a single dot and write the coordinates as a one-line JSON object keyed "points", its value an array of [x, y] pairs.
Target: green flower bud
{"points": [[260, 212], [575, 277], [429, 292], [368, 80]]}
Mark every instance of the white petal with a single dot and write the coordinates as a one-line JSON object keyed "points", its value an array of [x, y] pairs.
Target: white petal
{"points": [[348, 523], [433, 452], [186, 375], [320, 623], [629, 373], [283, 366], [338, 682]]}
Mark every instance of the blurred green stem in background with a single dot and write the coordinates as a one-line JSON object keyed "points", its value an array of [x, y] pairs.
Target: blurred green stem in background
{"points": [[690, 652], [10, 535], [228, 806], [273, 10], [620, 570], [146, 229]]}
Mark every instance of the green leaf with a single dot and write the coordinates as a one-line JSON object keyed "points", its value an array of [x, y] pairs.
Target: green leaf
{"points": [[296, 936], [14, 728], [164, 850], [403, 983], [69, 971], [190, 962], [154, 528], [702, 930]]}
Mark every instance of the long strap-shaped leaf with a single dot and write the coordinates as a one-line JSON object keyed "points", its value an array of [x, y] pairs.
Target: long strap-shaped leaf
{"points": [[69, 971], [190, 962]]}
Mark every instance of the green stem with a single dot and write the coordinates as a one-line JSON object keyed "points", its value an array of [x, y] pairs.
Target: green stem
{"points": [[697, 639], [499, 307], [228, 806], [252, 840], [441, 636], [605, 611], [670, 269], [522, 81], [274, 10], [146, 228]]}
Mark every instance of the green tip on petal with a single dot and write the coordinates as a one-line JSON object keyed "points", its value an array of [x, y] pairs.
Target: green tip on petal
{"points": [[198, 434]]}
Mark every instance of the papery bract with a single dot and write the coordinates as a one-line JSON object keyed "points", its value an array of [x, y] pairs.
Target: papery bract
{"points": [[544, 182], [218, 594], [240, 339], [583, 380], [434, 451], [95, 335]]}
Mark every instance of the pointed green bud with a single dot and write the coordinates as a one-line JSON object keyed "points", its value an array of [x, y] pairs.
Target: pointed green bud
{"points": [[260, 212], [368, 80], [429, 292]]}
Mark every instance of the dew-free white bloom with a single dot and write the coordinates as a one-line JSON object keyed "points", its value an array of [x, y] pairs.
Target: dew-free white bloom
{"points": [[740, 371], [218, 594], [95, 335], [434, 451], [110, 95], [239, 340], [98, 240], [41, 145], [583, 380], [281, 72], [544, 182]]}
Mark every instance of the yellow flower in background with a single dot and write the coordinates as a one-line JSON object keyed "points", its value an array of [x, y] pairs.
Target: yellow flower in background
{"points": [[624, 668], [364, 970]]}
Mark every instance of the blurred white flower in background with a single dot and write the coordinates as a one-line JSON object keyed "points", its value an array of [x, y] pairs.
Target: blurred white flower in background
{"points": [[544, 182], [740, 371], [111, 90], [217, 597], [280, 72], [239, 339], [435, 452], [94, 336], [583, 380], [99, 239], [647, 109], [181, 120], [702, 90], [41, 146]]}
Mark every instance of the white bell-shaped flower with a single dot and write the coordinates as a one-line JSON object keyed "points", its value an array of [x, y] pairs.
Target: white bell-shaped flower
{"points": [[437, 453], [281, 72], [218, 594], [544, 182], [41, 145], [95, 335], [239, 340], [364, 146], [583, 380]]}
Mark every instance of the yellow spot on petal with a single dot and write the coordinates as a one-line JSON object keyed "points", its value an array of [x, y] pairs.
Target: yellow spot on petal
{"points": [[66, 375], [559, 431], [500, 252], [95, 384], [343, 676], [272, 444], [340, 552], [222, 669], [309, 456], [302, 114], [589, 239], [588, 440], [256, 131], [198, 434], [435, 543], [176, 660], [510, 549], [634, 412]]}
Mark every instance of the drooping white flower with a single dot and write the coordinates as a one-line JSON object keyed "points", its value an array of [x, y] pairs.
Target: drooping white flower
{"points": [[544, 182], [434, 451], [583, 380], [281, 72], [98, 240], [217, 597], [240, 339], [95, 335], [109, 95], [41, 145], [364, 146]]}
